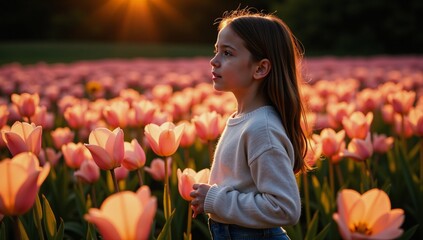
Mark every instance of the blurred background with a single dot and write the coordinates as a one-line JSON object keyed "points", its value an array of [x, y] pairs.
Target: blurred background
{"points": [[32, 30]]}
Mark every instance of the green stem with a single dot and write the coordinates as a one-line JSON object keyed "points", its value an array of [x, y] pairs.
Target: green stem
{"points": [[307, 198], [140, 176], [93, 196], [112, 171], [16, 229], [331, 178], [166, 201], [367, 179], [189, 223], [339, 175]]}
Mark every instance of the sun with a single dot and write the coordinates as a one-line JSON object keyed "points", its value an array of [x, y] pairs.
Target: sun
{"points": [[136, 18]]}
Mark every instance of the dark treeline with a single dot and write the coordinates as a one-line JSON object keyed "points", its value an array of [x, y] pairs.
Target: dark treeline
{"points": [[353, 27]]}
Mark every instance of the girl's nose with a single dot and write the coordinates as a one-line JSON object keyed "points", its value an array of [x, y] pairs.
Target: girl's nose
{"points": [[214, 62]]}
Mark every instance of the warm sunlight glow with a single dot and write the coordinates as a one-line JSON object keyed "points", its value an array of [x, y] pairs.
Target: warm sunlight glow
{"points": [[136, 19]]}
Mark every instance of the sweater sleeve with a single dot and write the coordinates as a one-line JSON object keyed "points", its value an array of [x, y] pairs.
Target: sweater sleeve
{"points": [[276, 203]]}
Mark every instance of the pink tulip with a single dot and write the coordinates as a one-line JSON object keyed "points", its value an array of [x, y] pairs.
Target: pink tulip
{"points": [[49, 155], [207, 126], [121, 173], [367, 216], [157, 169], [43, 118], [358, 125], [89, 172], [3, 129], [164, 139], [359, 149], [4, 114], [22, 177], [162, 92], [314, 152], [116, 114], [75, 154], [402, 101], [388, 114], [331, 142], [403, 126], [369, 100], [382, 143], [188, 135], [125, 215], [180, 105], [106, 147], [26, 103], [134, 155], [338, 111], [23, 137], [416, 119], [144, 112], [189, 177], [62, 136], [75, 115]]}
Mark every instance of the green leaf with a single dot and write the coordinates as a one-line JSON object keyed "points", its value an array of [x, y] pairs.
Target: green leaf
{"points": [[50, 224], [37, 212], [3, 231], [61, 231], [323, 233], [294, 232], [22, 231], [166, 230], [312, 228], [407, 176]]}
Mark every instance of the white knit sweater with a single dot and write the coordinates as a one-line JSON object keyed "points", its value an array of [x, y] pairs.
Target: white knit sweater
{"points": [[252, 178]]}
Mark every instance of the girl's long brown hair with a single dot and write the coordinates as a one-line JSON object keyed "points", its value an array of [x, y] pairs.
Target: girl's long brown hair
{"points": [[267, 36]]}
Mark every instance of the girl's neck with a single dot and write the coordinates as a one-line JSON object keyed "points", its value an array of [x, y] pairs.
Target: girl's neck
{"points": [[249, 104]]}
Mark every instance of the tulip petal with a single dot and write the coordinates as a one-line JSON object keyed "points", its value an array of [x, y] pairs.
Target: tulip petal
{"points": [[153, 143], [143, 227], [167, 143], [185, 186], [144, 194], [202, 176], [99, 136], [25, 197], [15, 177], [118, 147], [342, 226], [15, 143], [34, 140], [153, 131], [129, 209], [345, 201], [377, 203], [389, 224], [105, 227], [100, 156]]}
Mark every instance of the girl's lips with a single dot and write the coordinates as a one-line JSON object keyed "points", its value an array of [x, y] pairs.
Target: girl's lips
{"points": [[215, 76]]}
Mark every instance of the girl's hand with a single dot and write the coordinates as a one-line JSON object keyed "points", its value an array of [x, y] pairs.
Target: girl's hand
{"points": [[198, 195]]}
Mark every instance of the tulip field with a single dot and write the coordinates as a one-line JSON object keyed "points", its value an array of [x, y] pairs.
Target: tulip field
{"points": [[110, 149]]}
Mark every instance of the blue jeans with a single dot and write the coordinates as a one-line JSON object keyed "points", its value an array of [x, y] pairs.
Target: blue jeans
{"points": [[220, 231]]}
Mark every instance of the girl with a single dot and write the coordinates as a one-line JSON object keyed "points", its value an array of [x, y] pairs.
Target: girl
{"points": [[252, 189]]}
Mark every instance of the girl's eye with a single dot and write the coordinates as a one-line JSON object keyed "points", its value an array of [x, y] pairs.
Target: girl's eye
{"points": [[227, 53]]}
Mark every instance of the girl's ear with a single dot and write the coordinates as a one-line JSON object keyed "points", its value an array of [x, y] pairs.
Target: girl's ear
{"points": [[262, 69]]}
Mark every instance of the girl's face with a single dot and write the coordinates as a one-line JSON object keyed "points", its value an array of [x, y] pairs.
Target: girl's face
{"points": [[232, 65]]}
